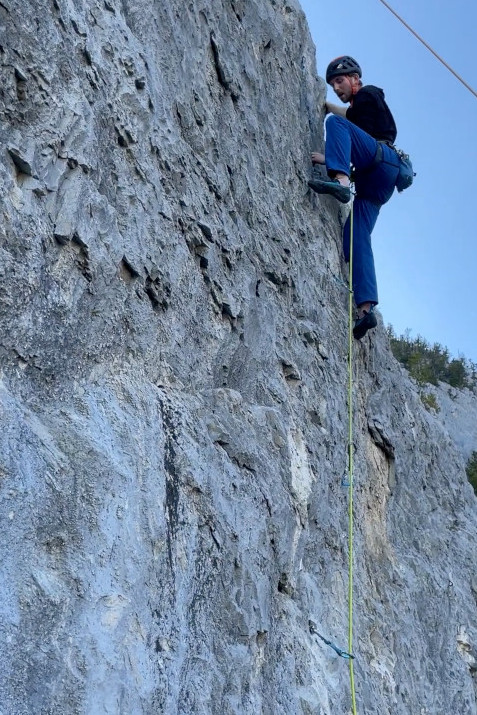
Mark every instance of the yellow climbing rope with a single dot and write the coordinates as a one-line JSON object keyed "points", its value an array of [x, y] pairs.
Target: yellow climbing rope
{"points": [[350, 400], [350, 468], [350, 395]]}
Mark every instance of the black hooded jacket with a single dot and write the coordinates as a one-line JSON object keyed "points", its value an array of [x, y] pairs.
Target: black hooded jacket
{"points": [[370, 112]]}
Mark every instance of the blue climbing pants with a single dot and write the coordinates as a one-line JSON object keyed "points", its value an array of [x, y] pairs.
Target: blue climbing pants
{"points": [[348, 144]]}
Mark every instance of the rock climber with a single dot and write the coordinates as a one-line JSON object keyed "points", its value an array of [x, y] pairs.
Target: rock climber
{"points": [[354, 135]]}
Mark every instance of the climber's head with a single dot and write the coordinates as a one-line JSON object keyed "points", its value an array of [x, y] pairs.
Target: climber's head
{"points": [[344, 75]]}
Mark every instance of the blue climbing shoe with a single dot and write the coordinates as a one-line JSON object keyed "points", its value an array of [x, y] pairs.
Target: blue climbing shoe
{"points": [[362, 325], [332, 187]]}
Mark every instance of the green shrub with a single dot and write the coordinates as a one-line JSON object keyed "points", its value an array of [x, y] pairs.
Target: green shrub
{"points": [[429, 401], [431, 363]]}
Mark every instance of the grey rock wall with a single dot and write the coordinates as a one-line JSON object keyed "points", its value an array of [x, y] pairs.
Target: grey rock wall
{"points": [[456, 410], [173, 390]]}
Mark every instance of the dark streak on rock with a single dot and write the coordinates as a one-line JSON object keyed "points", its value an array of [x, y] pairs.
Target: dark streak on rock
{"points": [[221, 76], [172, 477]]}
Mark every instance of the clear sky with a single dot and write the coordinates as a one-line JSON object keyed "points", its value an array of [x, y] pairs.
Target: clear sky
{"points": [[425, 240]]}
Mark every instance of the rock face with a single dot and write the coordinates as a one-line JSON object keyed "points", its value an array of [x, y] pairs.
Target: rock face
{"points": [[173, 390], [457, 412]]}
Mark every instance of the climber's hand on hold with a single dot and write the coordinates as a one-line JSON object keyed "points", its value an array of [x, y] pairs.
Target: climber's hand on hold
{"points": [[317, 158]]}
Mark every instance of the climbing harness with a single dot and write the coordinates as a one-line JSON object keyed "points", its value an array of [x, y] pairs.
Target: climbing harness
{"points": [[403, 163], [466, 85]]}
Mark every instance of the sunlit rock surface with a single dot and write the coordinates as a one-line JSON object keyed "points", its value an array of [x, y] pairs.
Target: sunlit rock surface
{"points": [[173, 390]]}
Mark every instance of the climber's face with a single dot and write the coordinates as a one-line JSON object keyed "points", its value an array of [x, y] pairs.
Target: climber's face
{"points": [[345, 86]]}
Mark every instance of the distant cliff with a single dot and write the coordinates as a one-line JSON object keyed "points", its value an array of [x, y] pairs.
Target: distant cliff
{"points": [[173, 390]]}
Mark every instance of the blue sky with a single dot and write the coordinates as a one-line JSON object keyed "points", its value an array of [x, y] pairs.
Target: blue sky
{"points": [[425, 240]]}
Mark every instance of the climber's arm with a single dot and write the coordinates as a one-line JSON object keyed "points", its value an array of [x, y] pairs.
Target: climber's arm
{"points": [[336, 109]]}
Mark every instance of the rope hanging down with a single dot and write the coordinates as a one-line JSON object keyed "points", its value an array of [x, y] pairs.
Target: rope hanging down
{"points": [[350, 466], [349, 484], [466, 85], [348, 655]]}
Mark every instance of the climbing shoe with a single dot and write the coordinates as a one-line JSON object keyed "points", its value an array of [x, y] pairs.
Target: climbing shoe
{"points": [[332, 187], [362, 325]]}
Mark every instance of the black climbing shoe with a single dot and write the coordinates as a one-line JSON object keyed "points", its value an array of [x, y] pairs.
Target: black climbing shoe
{"points": [[332, 187], [362, 325]]}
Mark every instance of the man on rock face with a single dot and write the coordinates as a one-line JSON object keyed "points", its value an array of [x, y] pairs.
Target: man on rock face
{"points": [[361, 135]]}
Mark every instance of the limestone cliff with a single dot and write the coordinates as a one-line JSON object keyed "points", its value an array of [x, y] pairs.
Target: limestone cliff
{"points": [[173, 390]]}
